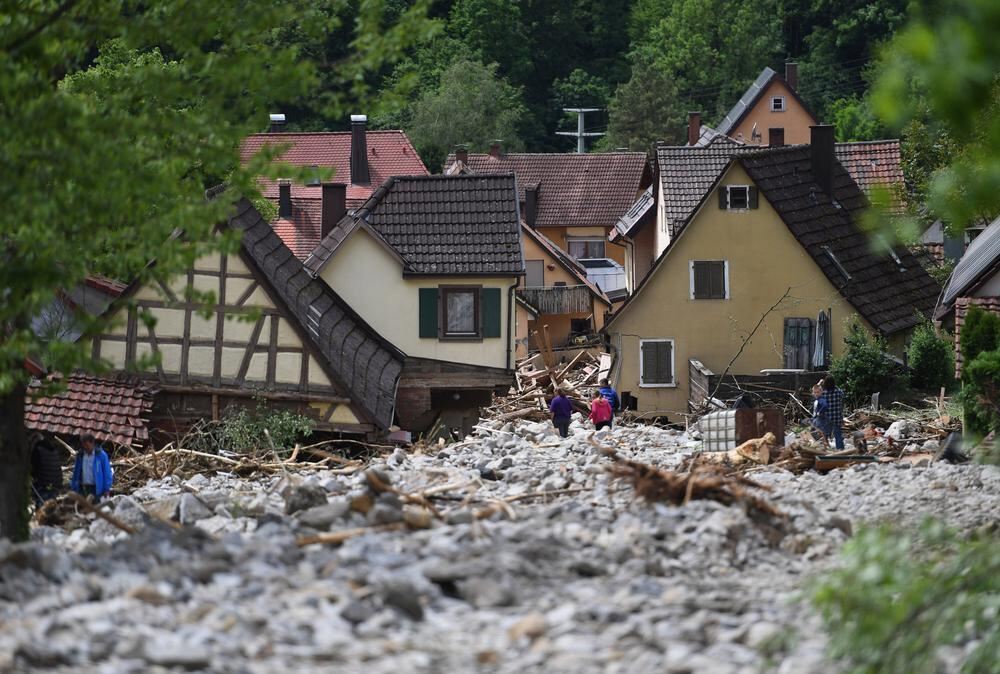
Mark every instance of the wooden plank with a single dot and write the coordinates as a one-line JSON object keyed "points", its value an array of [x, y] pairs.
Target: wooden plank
{"points": [[130, 337], [242, 300]]}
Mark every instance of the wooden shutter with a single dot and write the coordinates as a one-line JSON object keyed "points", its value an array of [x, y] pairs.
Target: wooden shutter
{"points": [[723, 197], [429, 312], [701, 280], [752, 198], [489, 301], [656, 363], [717, 280], [798, 343]]}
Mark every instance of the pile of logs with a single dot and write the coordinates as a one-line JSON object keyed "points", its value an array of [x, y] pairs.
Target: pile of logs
{"points": [[537, 377]]}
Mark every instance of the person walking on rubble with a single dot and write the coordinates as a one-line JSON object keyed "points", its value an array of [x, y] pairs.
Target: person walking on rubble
{"points": [[832, 414], [600, 411], [46, 471], [92, 474], [611, 396], [562, 410], [816, 423]]}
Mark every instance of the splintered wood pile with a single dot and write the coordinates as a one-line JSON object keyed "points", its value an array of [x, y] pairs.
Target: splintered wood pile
{"points": [[537, 377]]}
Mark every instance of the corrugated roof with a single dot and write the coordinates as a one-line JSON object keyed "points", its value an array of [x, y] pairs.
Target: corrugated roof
{"points": [[440, 225], [112, 409], [358, 359], [981, 257], [574, 189]]}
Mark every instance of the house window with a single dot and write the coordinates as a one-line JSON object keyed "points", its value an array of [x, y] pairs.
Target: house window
{"points": [[798, 343], [709, 280], [586, 249], [777, 103], [738, 197], [460, 312], [535, 277], [656, 362]]}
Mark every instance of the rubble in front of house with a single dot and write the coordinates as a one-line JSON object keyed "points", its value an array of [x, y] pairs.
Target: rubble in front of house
{"points": [[510, 551]]}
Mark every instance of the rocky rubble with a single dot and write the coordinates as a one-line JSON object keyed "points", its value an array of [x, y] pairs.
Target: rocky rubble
{"points": [[585, 579]]}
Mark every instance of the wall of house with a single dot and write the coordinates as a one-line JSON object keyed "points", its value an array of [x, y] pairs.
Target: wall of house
{"points": [[661, 237], [644, 251], [559, 236], [795, 120], [991, 288], [222, 353], [554, 272], [370, 279], [522, 319], [764, 260]]}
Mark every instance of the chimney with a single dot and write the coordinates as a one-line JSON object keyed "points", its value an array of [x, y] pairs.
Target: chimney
{"points": [[792, 75], [776, 136], [462, 154], [694, 127], [530, 203], [821, 159], [284, 198], [359, 150], [496, 150], [334, 206], [277, 123]]}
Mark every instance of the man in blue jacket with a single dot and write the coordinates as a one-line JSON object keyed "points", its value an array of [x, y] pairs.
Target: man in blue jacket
{"points": [[610, 395], [92, 472]]}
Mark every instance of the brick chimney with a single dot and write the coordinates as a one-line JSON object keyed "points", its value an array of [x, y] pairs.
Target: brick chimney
{"points": [[462, 154], [776, 136], [359, 150], [496, 150], [821, 156], [531, 203], [284, 198], [694, 127], [277, 123], [792, 75], [334, 206]]}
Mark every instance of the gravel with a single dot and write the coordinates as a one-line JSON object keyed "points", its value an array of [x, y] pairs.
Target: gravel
{"points": [[584, 581]]}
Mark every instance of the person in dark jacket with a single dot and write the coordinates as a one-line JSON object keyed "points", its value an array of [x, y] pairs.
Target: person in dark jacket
{"points": [[92, 474], [832, 415], [562, 410], [46, 471], [611, 396]]}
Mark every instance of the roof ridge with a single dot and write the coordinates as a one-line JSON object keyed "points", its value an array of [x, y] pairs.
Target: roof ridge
{"points": [[322, 133], [869, 142]]}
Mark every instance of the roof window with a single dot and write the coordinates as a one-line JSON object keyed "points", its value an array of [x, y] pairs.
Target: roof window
{"points": [[836, 263]]}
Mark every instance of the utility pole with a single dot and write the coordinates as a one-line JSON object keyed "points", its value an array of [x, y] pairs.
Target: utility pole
{"points": [[580, 134]]}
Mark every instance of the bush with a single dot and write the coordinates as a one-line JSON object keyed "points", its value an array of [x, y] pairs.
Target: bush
{"points": [[244, 431], [899, 598], [931, 358], [980, 332], [981, 393], [864, 368]]}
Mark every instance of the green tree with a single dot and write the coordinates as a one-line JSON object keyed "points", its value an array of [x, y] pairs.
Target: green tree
{"points": [[472, 106], [105, 158], [980, 332], [931, 358], [864, 367], [854, 120], [644, 110], [493, 32]]}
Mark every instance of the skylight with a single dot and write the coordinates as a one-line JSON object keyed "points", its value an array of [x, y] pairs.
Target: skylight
{"points": [[836, 263]]}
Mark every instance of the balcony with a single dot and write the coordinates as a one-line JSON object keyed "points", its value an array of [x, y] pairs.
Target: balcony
{"points": [[559, 299]]}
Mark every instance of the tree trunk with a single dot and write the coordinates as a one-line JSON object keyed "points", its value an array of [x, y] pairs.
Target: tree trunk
{"points": [[14, 466]]}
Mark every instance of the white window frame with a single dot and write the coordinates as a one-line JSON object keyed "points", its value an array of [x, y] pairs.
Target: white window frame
{"points": [[587, 239], [778, 98], [725, 280], [673, 362], [729, 206]]}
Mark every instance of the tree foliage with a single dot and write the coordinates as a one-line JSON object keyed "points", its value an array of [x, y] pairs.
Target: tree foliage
{"points": [[644, 110], [864, 367], [931, 358]]}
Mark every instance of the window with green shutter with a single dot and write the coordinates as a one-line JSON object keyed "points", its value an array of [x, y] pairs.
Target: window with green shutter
{"points": [[490, 303], [461, 312], [656, 362], [429, 313]]}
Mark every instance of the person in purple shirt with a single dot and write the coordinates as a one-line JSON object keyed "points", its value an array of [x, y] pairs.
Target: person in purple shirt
{"points": [[562, 410]]}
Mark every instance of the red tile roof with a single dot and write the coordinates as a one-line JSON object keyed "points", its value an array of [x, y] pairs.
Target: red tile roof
{"points": [[114, 410], [876, 163], [390, 153], [574, 190]]}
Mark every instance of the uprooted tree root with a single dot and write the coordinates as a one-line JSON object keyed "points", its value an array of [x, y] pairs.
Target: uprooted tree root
{"points": [[664, 486]]}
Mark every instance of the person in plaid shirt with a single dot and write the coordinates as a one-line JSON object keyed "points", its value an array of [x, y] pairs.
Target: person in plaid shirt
{"points": [[832, 413]]}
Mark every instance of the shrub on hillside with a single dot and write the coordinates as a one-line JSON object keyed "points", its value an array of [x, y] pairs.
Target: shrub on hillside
{"points": [[931, 358], [865, 367]]}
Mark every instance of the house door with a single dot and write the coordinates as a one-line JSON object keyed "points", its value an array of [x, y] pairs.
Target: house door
{"points": [[798, 343]]}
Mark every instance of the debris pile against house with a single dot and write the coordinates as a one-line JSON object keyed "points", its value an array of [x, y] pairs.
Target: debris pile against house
{"points": [[575, 372], [512, 548]]}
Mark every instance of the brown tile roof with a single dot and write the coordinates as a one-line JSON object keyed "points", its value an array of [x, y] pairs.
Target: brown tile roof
{"points": [[356, 357], [441, 225], [876, 163], [390, 153], [113, 409], [962, 304], [575, 190], [887, 293]]}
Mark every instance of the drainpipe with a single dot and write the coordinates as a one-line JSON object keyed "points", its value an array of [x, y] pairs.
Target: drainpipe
{"points": [[510, 321]]}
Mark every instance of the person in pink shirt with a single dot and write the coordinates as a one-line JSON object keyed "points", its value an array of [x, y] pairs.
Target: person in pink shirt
{"points": [[600, 411]]}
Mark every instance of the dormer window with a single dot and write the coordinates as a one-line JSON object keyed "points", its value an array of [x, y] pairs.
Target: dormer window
{"points": [[777, 103], [737, 197]]}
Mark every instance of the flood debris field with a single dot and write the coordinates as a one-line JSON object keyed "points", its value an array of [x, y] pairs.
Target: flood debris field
{"points": [[513, 551]]}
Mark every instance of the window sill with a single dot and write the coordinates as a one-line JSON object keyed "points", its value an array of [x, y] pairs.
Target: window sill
{"points": [[460, 338], [673, 385]]}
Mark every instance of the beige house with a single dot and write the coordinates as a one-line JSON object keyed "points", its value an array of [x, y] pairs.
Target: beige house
{"points": [[432, 264], [770, 112], [556, 290], [274, 333], [772, 240]]}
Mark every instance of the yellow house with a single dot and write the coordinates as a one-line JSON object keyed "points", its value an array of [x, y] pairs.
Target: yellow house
{"points": [[274, 333], [432, 264], [772, 244], [557, 294], [770, 112]]}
